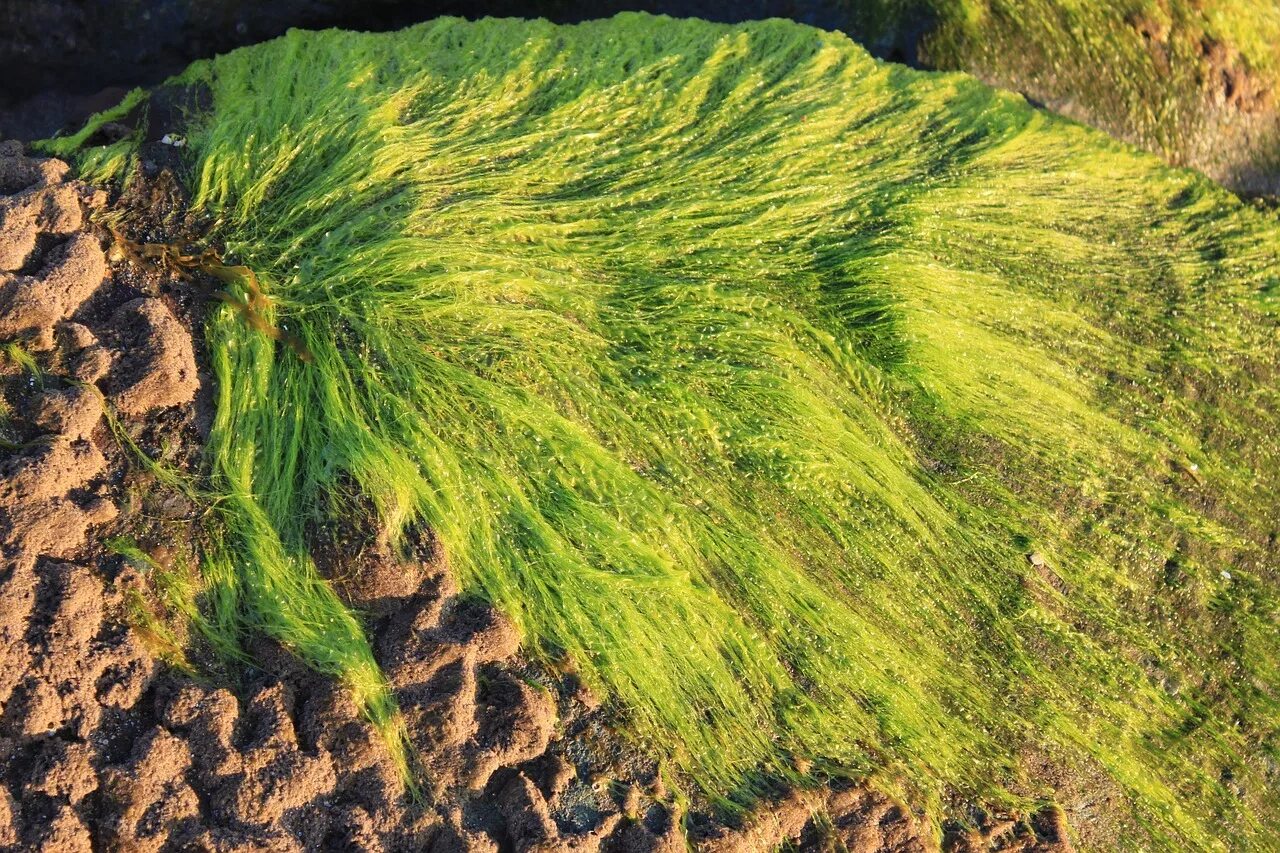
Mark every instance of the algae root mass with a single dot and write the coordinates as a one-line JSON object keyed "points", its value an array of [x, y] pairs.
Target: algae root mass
{"points": [[744, 372]]}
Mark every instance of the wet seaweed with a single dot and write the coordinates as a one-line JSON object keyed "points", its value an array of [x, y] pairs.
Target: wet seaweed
{"points": [[745, 372]]}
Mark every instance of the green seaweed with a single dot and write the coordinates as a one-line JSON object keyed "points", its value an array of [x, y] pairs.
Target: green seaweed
{"points": [[1143, 70], [744, 371]]}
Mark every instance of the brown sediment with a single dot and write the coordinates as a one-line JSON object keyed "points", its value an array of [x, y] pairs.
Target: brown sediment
{"points": [[856, 819], [157, 368], [1043, 831], [104, 746]]}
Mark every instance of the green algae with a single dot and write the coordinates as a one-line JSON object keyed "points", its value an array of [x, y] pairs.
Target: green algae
{"points": [[744, 372], [1149, 71]]}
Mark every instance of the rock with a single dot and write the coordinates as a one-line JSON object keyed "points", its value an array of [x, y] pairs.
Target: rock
{"points": [[158, 368]]}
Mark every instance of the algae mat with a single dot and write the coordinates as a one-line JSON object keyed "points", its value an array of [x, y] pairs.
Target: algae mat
{"points": [[1192, 80], [829, 417]]}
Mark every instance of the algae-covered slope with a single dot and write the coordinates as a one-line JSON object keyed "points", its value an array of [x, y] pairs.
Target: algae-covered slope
{"points": [[823, 414], [1193, 80]]}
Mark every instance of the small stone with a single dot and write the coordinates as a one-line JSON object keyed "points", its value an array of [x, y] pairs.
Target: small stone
{"points": [[36, 709], [92, 364], [631, 802], [158, 369], [76, 336], [73, 412]]}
